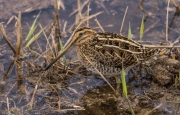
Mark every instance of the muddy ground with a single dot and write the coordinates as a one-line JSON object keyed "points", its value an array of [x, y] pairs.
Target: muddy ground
{"points": [[153, 87]]}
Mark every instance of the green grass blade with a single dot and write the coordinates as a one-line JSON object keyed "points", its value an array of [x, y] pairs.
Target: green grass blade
{"points": [[124, 81], [33, 27], [125, 89], [34, 38], [142, 28], [62, 48], [129, 32]]}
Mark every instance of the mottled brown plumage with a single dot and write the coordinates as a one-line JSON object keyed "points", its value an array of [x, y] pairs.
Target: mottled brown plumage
{"points": [[107, 51]]}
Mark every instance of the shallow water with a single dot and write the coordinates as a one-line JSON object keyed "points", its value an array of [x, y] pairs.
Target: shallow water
{"points": [[80, 89]]}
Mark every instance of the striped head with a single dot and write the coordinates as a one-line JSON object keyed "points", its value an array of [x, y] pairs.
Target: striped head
{"points": [[83, 35]]}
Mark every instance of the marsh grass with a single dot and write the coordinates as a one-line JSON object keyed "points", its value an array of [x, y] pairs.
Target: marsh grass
{"points": [[141, 32], [33, 27], [62, 48], [31, 32], [51, 52], [125, 91], [129, 32], [35, 37]]}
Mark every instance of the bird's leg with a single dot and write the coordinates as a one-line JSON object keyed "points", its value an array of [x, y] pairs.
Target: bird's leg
{"points": [[117, 80], [117, 85]]}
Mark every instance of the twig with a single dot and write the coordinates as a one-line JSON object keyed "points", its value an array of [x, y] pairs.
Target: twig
{"points": [[6, 38], [79, 9], [8, 105], [19, 35], [45, 36], [94, 15], [88, 14], [153, 25], [153, 46], [32, 99], [123, 19], [167, 21], [140, 6], [97, 22], [11, 89], [82, 6], [157, 107], [64, 29], [174, 4]]}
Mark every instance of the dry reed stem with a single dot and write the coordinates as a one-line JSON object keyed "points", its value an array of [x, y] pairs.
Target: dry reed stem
{"points": [[11, 89], [53, 43], [77, 20], [45, 37], [39, 47], [59, 99], [157, 107], [153, 46], [97, 22], [101, 3], [94, 15], [88, 14], [10, 19], [64, 29], [174, 4], [100, 74], [35, 90], [50, 37], [55, 34], [79, 8], [60, 4], [57, 24], [7, 100], [167, 15], [176, 41], [8, 71], [123, 19], [68, 71], [82, 6], [39, 55], [19, 35], [6, 38], [57, 21], [47, 50], [153, 25], [32, 99], [141, 8]]}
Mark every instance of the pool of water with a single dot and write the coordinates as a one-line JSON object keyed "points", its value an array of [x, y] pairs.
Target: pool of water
{"points": [[88, 93]]}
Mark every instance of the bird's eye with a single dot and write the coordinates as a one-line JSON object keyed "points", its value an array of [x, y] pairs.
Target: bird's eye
{"points": [[80, 34]]}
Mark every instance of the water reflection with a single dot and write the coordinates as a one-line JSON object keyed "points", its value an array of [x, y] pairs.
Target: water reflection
{"points": [[110, 20]]}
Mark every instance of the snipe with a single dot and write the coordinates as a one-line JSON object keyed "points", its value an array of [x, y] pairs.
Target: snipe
{"points": [[106, 51]]}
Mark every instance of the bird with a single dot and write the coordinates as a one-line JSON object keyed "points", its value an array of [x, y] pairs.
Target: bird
{"points": [[106, 51]]}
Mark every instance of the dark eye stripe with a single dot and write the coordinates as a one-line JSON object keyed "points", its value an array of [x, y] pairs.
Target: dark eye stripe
{"points": [[81, 34], [82, 29]]}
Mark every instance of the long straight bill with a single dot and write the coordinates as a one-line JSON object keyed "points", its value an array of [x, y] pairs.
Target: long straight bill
{"points": [[60, 54], [67, 47]]}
